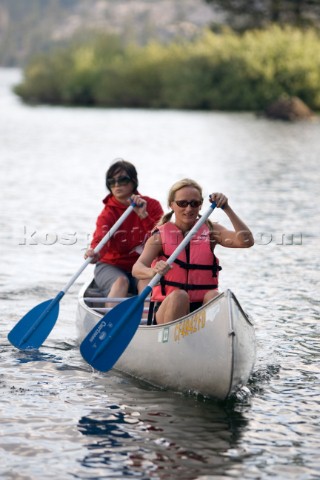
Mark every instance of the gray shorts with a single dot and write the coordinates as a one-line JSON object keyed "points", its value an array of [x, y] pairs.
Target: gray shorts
{"points": [[105, 275]]}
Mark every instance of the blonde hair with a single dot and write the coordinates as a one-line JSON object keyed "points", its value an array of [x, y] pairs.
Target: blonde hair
{"points": [[185, 182]]}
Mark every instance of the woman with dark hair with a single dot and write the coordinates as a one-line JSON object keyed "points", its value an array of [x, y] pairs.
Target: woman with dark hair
{"points": [[115, 260], [192, 279]]}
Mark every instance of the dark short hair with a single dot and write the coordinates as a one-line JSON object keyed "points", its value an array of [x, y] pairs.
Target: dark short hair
{"points": [[120, 164]]}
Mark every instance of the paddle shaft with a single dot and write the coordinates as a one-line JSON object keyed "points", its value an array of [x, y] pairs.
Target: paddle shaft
{"points": [[100, 245], [97, 249], [145, 292], [34, 324]]}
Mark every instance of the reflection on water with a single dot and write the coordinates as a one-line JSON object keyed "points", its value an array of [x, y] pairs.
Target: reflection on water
{"points": [[162, 439], [36, 356], [59, 419]]}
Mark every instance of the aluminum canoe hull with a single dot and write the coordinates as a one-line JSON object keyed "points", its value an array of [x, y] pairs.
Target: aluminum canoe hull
{"points": [[210, 351]]}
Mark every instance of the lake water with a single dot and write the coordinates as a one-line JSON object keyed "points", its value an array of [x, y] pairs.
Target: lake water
{"points": [[61, 420]]}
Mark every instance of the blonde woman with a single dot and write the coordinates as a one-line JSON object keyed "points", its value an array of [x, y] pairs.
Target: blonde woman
{"points": [[192, 279]]}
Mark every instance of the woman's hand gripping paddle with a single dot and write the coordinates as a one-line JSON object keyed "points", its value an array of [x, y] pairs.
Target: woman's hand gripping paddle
{"points": [[110, 337], [32, 330]]}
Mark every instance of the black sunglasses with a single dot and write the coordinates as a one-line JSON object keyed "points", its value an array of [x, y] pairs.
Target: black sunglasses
{"points": [[124, 180], [185, 203]]}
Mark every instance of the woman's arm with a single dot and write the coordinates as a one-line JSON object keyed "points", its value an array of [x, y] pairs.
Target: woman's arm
{"points": [[152, 249], [241, 237]]}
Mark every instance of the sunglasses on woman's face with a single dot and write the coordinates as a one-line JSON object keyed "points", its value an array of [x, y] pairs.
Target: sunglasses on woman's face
{"points": [[185, 203], [124, 180]]}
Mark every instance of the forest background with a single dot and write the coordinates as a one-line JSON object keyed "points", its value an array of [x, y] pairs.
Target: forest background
{"points": [[194, 54]]}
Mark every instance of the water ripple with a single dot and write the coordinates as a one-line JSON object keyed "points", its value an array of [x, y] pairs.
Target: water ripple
{"points": [[59, 418]]}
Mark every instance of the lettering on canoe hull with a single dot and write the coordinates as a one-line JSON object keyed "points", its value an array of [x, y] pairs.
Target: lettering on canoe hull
{"points": [[190, 325]]}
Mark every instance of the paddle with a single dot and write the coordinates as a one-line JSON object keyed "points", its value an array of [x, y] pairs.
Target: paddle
{"points": [[106, 342], [32, 330]]}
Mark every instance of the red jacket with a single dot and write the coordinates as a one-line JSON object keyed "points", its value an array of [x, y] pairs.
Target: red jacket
{"points": [[120, 249]]}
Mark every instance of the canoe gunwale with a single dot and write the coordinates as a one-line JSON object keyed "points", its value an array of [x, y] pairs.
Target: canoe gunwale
{"points": [[227, 292]]}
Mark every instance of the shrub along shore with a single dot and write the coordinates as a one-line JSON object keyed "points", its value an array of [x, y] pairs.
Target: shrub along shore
{"points": [[215, 71]]}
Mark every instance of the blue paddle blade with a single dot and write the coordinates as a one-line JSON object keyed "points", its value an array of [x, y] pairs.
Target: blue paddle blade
{"points": [[110, 337], [32, 330]]}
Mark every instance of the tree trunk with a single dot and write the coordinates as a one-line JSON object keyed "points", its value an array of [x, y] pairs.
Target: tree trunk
{"points": [[297, 11], [275, 8]]}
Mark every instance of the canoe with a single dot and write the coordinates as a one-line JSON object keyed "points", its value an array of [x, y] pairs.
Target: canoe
{"points": [[210, 351]]}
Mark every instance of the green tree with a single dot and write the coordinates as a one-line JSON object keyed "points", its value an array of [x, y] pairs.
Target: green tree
{"points": [[245, 14]]}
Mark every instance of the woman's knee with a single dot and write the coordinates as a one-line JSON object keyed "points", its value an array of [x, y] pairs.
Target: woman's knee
{"points": [[179, 296], [210, 295], [175, 305]]}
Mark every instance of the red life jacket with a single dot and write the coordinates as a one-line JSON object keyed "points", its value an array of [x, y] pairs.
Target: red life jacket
{"points": [[196, 268]]}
